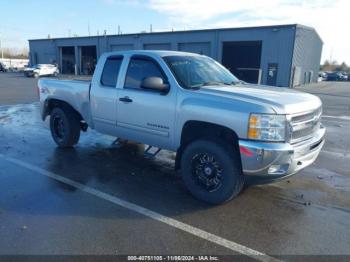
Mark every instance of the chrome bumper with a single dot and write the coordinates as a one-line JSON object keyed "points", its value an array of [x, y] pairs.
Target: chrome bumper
{"points": [[278, 160]]}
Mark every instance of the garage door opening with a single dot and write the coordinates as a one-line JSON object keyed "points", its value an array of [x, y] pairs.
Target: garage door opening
{"points": [[88, 60], [243, 60], [68, 60]]}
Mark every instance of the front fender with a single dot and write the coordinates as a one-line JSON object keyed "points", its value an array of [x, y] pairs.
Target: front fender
{"points": [[229, 113]]}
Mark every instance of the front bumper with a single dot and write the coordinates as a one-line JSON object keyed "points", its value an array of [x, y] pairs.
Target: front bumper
{"points": [[273, 161]]}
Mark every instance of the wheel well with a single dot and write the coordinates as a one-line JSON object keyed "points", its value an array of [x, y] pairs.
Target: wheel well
{"points": [[52, 103], [193, 130]]}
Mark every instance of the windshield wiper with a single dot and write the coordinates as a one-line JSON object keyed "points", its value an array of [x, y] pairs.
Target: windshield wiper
{"points": [[198, 86], [233, 83], [212, 83], [215, 83]]}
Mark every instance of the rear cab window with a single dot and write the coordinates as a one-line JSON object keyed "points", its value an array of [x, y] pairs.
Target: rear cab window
{"points": [[111, 70]]}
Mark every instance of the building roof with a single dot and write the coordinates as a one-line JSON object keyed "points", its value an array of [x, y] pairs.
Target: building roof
{"points": [[310, 29], [181, 31]]}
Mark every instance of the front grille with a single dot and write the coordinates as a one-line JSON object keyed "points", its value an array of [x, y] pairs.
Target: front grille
{"points": [[304, 126]]}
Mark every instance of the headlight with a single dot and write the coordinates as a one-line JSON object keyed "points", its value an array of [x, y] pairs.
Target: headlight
{"points": [[267, 127]]}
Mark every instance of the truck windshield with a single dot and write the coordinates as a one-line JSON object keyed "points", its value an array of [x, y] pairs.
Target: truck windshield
{"points": [[193, 72]]}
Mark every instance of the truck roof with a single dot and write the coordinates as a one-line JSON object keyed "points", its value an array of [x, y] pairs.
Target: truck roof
{"points": [[160, 53]]}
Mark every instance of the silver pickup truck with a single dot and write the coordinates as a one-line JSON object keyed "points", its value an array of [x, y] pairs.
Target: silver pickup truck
{"points": [[222, 129]]}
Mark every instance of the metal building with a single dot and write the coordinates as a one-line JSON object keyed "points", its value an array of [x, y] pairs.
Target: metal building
{"points": [[283, 55]]}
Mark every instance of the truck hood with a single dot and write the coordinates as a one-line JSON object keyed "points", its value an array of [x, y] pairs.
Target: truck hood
{"points": [[281, 100]]}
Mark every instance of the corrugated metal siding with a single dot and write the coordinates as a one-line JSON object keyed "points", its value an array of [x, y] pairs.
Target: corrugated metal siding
{"points": [[42, 52], [307, 55], [199, 48], [124, 47], [277, 47], [161, 46]]}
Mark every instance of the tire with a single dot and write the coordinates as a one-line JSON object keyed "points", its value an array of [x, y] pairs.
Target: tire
{"points": [[65, 127], [211, 171], [36, 75]]}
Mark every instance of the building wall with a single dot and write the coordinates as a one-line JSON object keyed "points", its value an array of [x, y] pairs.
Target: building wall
{"points": [[307, 56], [277, 46], [42, 51]]}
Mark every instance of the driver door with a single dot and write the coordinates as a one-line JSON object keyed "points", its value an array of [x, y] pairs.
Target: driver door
{"points": [[145, 115]]}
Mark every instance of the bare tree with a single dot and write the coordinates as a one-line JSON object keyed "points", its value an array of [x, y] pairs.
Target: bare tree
{"points": [[334, 66], [16, 53]]}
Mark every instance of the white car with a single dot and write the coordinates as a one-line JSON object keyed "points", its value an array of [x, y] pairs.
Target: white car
{"points": [[41, 70]]}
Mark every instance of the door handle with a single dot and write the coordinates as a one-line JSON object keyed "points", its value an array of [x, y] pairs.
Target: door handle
{"points": [[125, 99]]}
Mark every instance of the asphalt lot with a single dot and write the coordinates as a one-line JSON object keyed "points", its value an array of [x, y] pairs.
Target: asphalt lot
{"points": [[97, 199]]}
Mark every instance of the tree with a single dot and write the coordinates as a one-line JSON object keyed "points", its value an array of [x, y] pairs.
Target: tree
{"points": [[334, 66], [16, 53]]}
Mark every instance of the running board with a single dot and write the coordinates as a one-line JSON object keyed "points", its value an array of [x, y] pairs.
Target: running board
{"points": [[151, 152]]}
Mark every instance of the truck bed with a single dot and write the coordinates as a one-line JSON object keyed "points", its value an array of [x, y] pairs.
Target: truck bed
{"points": [[74, 92]]}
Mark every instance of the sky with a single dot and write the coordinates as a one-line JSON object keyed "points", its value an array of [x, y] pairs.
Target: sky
{"points": [[31, 19]]}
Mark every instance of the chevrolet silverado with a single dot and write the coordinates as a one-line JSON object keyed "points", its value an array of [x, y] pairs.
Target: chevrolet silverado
{"points": [[222, 129]]}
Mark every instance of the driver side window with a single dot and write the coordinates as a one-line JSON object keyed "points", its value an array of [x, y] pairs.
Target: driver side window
{"points": [[140, 69]]}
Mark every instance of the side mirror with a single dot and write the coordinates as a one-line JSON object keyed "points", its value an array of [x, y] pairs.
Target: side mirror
{"points": [[155, 83]]}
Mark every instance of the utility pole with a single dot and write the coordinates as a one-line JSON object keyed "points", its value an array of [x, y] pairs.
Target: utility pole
{"points": [[151, 28], [89, 28], [2, 50]]}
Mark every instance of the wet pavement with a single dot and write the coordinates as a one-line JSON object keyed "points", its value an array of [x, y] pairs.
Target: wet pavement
{"points": [[308, 214]]}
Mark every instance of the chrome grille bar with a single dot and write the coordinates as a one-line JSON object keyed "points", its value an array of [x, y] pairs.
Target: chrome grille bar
{"points": [[303, 126]]}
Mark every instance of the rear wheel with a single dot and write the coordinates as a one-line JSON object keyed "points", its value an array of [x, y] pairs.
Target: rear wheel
{"points": [[65, 127], [36, 75], [211, 171]]}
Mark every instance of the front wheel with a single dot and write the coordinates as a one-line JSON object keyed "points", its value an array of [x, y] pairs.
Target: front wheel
{"points": [[65, 127], [211, 171]]}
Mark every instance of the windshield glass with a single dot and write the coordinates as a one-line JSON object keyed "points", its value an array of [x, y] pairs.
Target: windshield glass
{"points": [[197, 71]]}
